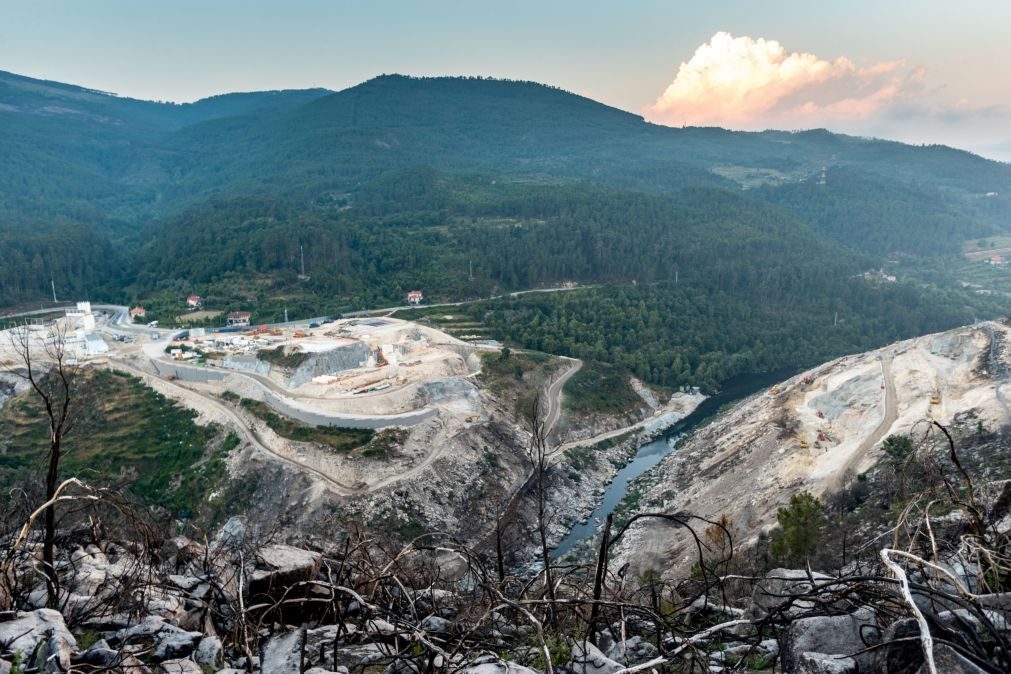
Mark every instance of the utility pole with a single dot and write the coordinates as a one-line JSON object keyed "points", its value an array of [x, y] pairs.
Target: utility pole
{"points": [[675, 277], [470, 269], [301, 255], [286, 314], [835, 322], [53, 284]]}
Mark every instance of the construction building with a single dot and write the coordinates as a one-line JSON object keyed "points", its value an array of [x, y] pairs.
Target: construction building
{"points": [[239, 318]]}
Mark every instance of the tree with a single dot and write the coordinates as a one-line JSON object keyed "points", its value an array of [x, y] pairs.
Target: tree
{"points": [[42, 359], [799, 531], [897, 447], [539, 454]]}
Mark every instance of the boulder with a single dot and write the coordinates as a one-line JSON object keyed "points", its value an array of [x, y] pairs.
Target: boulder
{"points": [[319, 642], [99, 654], [179, 667], [433, 624], [707, 610], [587, 659], [403, 666], [209, 652], [283, 653], [281, 566], [173, 643], [834, 635], [820, 663], [184, 582], [179, 551], [495, 665], [949, 661], [380, 627], [636, 649], [27, 630], [169, 641], [363, 655], [777, 587]]}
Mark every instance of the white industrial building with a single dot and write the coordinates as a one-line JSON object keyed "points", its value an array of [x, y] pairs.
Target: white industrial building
{"points": [[94, 345]]}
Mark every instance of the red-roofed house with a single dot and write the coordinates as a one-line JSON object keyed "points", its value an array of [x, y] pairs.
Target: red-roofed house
{"points": [[194, 301], [414, 297], [137, 312]]}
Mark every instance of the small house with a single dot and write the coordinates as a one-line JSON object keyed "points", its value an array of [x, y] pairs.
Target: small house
{"points": [[137, 312], [239, 318], [414, 297], [94, 345], [194, 301]]}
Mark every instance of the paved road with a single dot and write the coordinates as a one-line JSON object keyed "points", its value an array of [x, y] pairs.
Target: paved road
{"points": [[891, 414], [554, 396], [371, 312]]}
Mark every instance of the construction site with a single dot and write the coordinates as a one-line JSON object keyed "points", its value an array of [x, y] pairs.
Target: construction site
{"points": [[369, 366]]}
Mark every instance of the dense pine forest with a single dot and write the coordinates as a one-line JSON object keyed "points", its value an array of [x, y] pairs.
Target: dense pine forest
{"points": [[711, 253]]}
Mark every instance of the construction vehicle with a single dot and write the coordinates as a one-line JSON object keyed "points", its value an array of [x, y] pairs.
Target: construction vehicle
{"points": [[936, 398], [381, 359], [774, 390], [299, 335], [808, 380]]}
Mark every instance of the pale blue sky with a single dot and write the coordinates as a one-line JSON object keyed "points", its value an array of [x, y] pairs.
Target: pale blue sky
{"points": [[622, 53]]}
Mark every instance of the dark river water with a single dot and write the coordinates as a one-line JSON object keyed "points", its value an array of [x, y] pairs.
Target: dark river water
{"points": [[651, 453]]}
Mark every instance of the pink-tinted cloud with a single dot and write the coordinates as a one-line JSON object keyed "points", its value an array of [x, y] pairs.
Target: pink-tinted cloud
{"points": [[741, 82]]}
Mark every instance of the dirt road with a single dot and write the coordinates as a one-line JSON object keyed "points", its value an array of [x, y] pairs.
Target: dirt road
{"points": [[215, 409], [891, 414]]}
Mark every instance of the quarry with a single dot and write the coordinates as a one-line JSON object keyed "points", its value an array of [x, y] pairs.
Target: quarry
{"points": [[817, 432]]}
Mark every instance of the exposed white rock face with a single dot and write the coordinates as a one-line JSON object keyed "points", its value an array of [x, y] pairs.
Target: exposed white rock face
{"points": [[283, 653]]}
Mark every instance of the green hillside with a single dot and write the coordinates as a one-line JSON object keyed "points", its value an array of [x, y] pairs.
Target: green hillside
{"points": [[468, 187]]}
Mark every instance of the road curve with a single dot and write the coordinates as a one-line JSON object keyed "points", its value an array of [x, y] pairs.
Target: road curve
{"points": [[554, 396], [240, 425]]}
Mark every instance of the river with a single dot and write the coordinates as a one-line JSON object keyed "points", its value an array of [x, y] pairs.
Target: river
{"points": [[653, 452]]}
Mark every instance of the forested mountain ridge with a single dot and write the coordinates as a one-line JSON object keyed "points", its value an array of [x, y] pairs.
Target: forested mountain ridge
{"points": [[467, 187]]}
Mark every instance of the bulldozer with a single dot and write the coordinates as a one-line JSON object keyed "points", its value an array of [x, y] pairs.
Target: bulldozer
{"points": [[935, 399]]}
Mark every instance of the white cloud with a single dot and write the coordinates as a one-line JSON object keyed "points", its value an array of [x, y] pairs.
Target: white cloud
{"points": [[741, 82]]}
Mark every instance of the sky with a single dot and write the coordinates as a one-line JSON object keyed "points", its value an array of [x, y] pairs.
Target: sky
{"points": [[922, 71]]}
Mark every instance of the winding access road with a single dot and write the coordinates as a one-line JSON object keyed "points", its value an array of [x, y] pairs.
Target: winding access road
{"points": [[249, 435], [554, 395]]}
